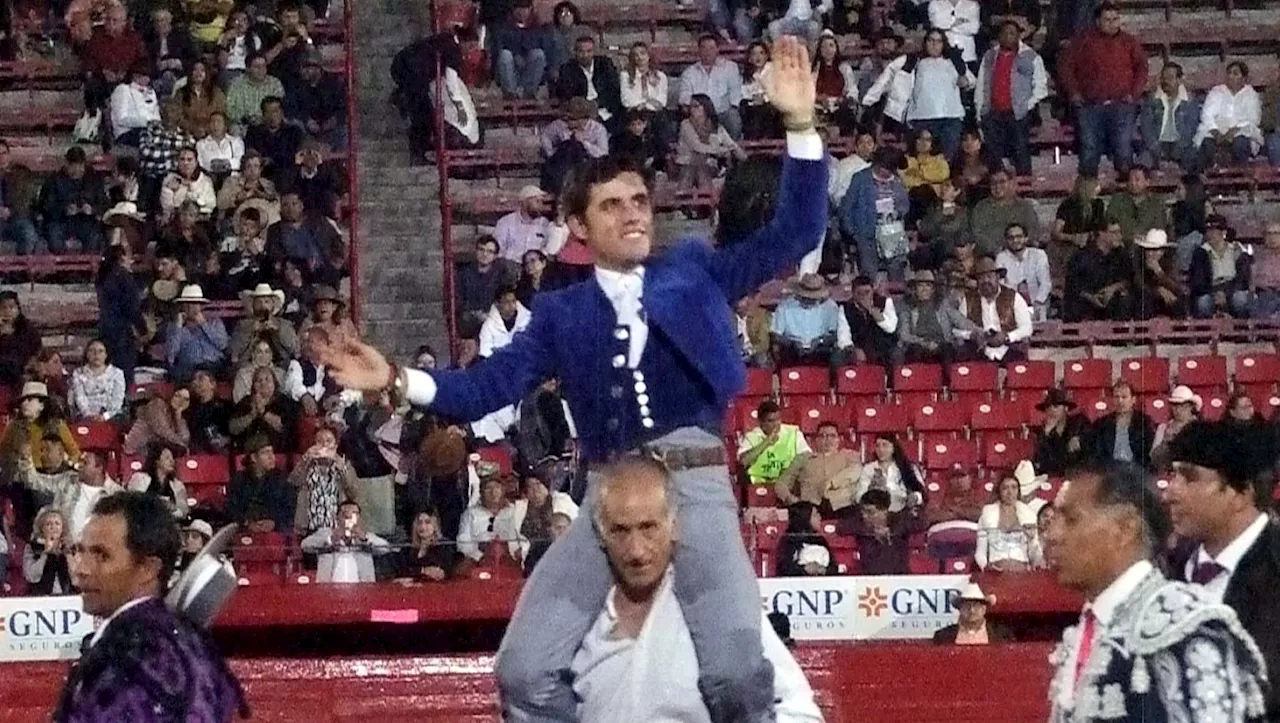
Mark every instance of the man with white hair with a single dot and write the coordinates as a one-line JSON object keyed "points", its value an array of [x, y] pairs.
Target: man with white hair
{"points": [[640, 645], [524, 229]]}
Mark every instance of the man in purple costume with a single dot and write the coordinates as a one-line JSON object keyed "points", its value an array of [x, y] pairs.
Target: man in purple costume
{"points": [[144, 664]]}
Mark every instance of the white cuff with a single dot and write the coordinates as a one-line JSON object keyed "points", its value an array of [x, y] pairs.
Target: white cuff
{"points": [[806, 146], [419, 388]]}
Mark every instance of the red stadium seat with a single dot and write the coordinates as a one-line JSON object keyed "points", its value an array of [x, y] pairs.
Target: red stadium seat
{"points": [[945, 454], [804, 380], [130, 464], [921, 563], [877, 418], [744, 411], [861, 380], [1093, 403], [1002, 453], [204, 469], [257, 577], [1147, 375], [208, 496], [498, 455], [1036, 376], [997, 415], [96, 435], [974, 380], [759, 383], [918, 378], [1156, 407], [1215, 405], [806, 415], [761, 496], [1086, 374], [1203, 373], [940, 416], [1258, 370], [959, 566]]}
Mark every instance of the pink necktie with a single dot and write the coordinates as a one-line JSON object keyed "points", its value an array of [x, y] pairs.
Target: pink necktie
{"points": [[1086, 643]]}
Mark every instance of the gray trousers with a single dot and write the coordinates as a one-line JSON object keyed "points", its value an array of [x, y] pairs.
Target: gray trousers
{"points": [[714, 582]]}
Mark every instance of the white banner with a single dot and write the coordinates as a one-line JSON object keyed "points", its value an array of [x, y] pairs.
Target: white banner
{"points": [[864, 608], [42, 628]]}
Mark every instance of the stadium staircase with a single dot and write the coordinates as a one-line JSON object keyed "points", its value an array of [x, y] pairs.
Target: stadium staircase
{"points": [[398, 214]]}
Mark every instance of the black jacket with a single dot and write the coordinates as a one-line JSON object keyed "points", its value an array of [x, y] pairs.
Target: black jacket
{"points": [[1252, 594], [573, 84], [1142, 432]]}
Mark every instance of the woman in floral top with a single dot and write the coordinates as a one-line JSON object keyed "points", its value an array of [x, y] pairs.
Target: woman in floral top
{"points": [[97, 388]]}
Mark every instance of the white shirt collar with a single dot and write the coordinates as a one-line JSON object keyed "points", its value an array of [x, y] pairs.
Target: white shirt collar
{"points": [[1105, 604], [1230, 556], [615, 283], [97, 634]]}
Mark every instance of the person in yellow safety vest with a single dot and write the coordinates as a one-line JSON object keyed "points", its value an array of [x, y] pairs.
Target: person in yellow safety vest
{"points": [[768, 450]]}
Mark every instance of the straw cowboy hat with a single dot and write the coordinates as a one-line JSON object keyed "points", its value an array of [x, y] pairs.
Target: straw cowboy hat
{"points": [[986, 265], [1028, 480], [814, 555], [812, 286], [1182, 394], [531, 191], [264, 290], [202, 527], [37, 390], [972, 591], [191, 294], [1154, 240]]}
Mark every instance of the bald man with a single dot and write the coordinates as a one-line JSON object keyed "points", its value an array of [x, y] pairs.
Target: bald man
{"points": [[637, 663]]}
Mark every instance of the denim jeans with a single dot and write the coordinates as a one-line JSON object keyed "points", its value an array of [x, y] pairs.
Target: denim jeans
{"points": [[807, 30], [520, 76], [85, 228], [1241, 152], [22, 232], [737, 21], [1266, 304], [732, 122], [946, 133], [1237, 305], [714, 582], [1008, 137], [1273, 149], [1105, 127]]}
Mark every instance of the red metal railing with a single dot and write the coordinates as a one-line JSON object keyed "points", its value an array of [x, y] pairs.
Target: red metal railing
{"points": [[353, 127]]}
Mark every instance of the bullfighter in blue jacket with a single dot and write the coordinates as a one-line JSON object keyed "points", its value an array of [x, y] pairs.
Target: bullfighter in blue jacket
{"points": [[647, 359]]}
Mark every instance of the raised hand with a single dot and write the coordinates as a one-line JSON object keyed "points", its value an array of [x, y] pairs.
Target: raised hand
{"points": [[356, 365], [789, 85]]}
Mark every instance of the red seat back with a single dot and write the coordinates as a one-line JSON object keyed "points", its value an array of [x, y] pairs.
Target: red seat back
{"points": [[861, 380], [1258, 369], [759, 383], [974, 377], [1203, 372], [940, 416], [918, 378], [1004, 453], [877, 418], [1086, 374], [945, 454], [1147, 375], [997, 414], [1030, 375], [804, 380], [96, 435]]}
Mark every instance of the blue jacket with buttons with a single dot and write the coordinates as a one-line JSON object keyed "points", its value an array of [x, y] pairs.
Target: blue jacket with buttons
{"points": [[691, 368]]}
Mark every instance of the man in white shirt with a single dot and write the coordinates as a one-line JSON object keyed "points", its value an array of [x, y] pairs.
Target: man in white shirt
{"points": [[1146, 648], [345, 551], [524, 229], [74, 491], [1026, 270], [1217, 497], [1002, 316], [219, 153], [507, 317], [637, 663], [959, 19], [134, 106], [717, 78]]}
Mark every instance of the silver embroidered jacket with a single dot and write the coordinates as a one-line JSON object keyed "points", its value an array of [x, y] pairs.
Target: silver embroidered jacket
{"points": [[1170, 655]]}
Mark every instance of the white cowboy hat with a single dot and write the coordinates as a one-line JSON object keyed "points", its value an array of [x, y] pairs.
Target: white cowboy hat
{"points": [[125, 209], [1154, 240], [34, 389], [1182, 394], [202, 527], [814, 555], [973, 592], [191, 294], [1028, 480], [264, 290]]}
